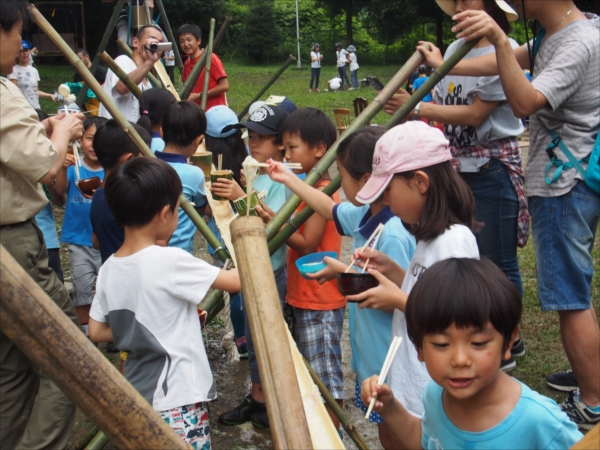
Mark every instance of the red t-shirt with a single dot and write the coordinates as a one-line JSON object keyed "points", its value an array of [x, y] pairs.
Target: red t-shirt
{"points": [[217, 71], [309, 294]]}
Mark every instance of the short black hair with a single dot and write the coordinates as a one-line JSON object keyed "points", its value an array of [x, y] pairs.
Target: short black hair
{"points": [[94, 121], [356, 151], [189, 28], [139, 189], [83, 52], [233, 150], [111, 142], [42, 115], [184, 121], [13, 11], [466, 293], [311, 125], [142, 30], [153, 105]]}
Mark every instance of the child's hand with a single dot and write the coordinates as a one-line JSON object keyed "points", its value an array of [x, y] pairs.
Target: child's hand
{"points": [[386, 297], [263, 214], [330, 272], [69, 161], [378, 261], [278, 171], [227, 188], [385, 396]]}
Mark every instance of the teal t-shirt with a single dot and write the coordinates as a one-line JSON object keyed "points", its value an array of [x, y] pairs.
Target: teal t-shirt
{"points": [[537, 422], [274, 200], [371, 329]]}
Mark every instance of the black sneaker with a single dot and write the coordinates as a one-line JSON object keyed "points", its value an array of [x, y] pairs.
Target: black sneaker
{"points": [[579, 412], [508, 365], [562, 381], [260, 419], [518, 349], [243, 412]]}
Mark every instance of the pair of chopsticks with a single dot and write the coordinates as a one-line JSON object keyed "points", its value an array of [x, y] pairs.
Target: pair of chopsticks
{"points": [[77, 162], [385, 369], [296, 166], [220, 162], [372, 243]]}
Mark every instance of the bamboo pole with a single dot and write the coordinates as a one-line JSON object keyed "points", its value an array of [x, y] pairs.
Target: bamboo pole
{"points": [[148, 14], [169, 31], [98, 442], [186, 88], [103, 43], [103, 97], [121, 74], [426, 87], [30, 319], [285, 408], [127, 50], [87, 437], [269, 83], [221, 33], [208, 51]]}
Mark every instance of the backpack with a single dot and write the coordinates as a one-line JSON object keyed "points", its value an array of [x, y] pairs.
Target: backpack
{"points": [[591, 175]]}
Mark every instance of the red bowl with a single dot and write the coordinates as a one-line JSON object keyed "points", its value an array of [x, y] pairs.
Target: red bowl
{"points": [[89, 185]]}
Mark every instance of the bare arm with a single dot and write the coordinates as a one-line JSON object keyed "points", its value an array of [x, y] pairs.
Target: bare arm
{"points": [[57, 199], [100, 331], [95, 241], [307, 242], [228, 280]]}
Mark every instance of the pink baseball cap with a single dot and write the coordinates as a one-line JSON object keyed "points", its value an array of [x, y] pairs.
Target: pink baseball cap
{"points": [[410, 146]]}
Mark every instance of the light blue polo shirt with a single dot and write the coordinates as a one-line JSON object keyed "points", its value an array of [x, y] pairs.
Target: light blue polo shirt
{"points": [[45, 221], [157, 144], [371, 329], [192, 179], [274, 200]]}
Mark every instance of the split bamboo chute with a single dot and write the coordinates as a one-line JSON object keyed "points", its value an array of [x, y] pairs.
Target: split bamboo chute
{"points": [[208, 51]]}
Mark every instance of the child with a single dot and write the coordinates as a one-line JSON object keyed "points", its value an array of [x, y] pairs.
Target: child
{"points": [[113, 148], [265, 143], [77, 228], [353, 66], [462, 334], [315, 73], [147, 295], [423, 71], [190, 37], [318, 310], [370, 321], [412, 165], [184, 126], [153, 104]]}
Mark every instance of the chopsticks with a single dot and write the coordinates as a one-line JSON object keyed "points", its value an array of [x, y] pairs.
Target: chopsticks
{"points": [[77, 162], [374, 238], [220, 162], [385, 369], [297, 166]]}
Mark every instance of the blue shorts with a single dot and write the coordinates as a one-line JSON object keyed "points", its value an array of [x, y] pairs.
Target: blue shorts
{"points": [[564, 230], [374, 417], [319, 336]]}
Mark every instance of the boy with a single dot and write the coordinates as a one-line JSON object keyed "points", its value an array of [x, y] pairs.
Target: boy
{"points": [[113, 148], [265, 143], [462, 335], [189, 37], [77, 227], [318, 310], [183, 127], [147, 295]]}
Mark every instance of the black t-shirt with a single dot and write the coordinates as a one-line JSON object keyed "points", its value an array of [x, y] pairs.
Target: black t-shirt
{"points": [[109, 234], [99, 75]]}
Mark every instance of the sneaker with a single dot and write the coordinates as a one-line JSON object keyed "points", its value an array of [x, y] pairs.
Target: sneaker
{"points": [[242, 347], [508, 365], [352, 88], [260, 419], [518, 348], [580, 413], [243, 412], [318, 90], [310, 90], [563, 381]]}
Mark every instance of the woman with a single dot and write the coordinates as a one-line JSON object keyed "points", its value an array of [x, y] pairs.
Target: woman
{"points": [[315, 67], [482, 131], [563, 97]]}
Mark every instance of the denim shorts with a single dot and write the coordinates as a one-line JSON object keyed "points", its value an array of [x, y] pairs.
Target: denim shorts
{"points": [[564, 229], [319, 336]]}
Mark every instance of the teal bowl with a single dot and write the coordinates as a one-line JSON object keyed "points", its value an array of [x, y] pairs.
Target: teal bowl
{"points": [[313, 263]]}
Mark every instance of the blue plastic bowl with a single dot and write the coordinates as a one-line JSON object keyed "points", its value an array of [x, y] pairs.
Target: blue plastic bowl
{"points": [[307, 265]]}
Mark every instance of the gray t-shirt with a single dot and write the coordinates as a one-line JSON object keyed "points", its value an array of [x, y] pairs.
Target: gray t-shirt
{"points": [[567, 72], [460, 90]]}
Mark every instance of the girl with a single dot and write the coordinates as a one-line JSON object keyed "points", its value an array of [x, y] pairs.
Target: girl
{"points": [[316, 58], [353, 66], [370, 321], [153, 104], [412, 165], [26, 77]]}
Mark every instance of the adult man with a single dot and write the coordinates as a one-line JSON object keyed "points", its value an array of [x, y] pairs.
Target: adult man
{"points": [[99, 74], [34, 413], [342, 59], [190, 37], [137, 70]]}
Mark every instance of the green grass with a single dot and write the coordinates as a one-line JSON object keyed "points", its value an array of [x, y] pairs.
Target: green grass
{"points": [[540, 330]]}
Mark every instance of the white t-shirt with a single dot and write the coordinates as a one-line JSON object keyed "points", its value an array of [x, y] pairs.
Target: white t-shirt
{"points": [[317, 62], [342, 55], [149, 300], [169, 54], [353, 62], [27, 80], [408, 376], [128, 104]]}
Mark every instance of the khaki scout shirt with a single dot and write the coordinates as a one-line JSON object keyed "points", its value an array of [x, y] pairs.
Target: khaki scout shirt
{"points": [[26, 155]]}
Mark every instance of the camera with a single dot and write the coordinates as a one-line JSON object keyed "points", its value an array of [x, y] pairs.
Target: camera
{"points": [[160, 47]]}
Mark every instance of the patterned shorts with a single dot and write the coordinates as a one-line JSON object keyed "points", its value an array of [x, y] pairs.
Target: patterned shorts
{"points": [[374, 417], [190, 422], [318, 335]]}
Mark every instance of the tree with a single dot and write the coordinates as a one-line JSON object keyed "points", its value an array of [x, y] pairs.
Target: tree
{"points": [[261, 33], [348, 8]]}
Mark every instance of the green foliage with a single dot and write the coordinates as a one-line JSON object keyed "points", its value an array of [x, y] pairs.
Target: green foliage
{"points": [[261, 34]]}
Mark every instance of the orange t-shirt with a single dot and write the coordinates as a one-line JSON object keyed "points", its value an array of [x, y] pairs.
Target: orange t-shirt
{"points": [[308, 294]]}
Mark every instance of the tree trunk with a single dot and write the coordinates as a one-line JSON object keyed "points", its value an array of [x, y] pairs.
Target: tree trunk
{"points": [[349, 37]]}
